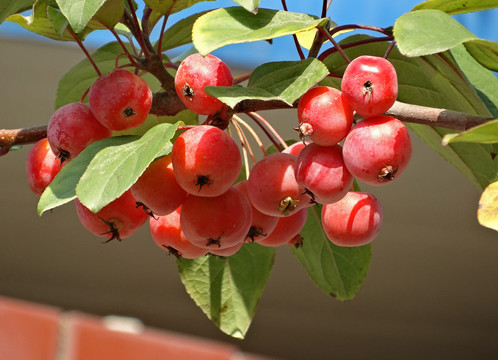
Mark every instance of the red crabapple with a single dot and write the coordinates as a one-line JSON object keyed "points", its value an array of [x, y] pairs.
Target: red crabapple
{"points": [[168, 235], [377, 150], [196, 72], [157, 188], [296, 148], [120, 99], [354, 220], [262, 224], [72, 128], [322, 172], [287, 228], [229, 251], [272, 186], [216, 222], [117, 220], [324, 116], [370, 85], [41, 166], [206, 161]]}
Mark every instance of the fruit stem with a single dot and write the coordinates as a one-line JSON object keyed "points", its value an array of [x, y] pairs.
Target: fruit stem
{"points": [[163, 27], [135, 28], [335, 43], [253, 133], [244, 154], [243, 140], [332, 50], [126, 52], [296, 42], [261, 121], [241, 78], [83, 48], [389, 49]]}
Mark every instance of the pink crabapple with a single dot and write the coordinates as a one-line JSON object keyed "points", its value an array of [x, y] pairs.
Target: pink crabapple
{"points": [[206, 161], [370, 85], [120, 99], [354, 220], [194, 73], [377, 150]]}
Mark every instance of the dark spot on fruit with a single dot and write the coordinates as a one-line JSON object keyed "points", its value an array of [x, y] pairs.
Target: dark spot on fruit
{"points": [[63, 155], [310, 194], [146, 209], [254, 232], [368, 88], [298, 241], [386, 173], [173, 251], [203, 180], [128, 112], [214, 241], [113, 230], [188, 91]]}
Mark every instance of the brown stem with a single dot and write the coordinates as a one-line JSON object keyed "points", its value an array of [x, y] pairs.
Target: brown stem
{"points": [[165, 103], [448, 119]]}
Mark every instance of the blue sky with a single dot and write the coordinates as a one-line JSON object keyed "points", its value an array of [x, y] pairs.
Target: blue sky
{"points": [[379, 13]]}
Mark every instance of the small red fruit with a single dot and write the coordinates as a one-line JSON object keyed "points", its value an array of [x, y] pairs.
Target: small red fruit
{"points": [[354, 220], [206, 161], [41, 166], [324, 116], [168, 235], [370, 85], [117, 220], [194, 73], [262, 225], [322, 172], [272, 186], [120, 99], [72, 128], [157, 188], [216, 222], [377, 150], [287, 229]]}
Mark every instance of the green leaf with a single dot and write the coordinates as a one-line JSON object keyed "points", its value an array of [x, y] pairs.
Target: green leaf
{"points": [[228, 289], [39, 23], [286, 81], [426, 32], [453, 7], [235, 25], [483, 80], [62, 189], [163, 6], [338, 271], [116, 168], [110, 14], [11, 7], [483, 134], [249, 5], [487, 214], [433, 81], [79, 12], [180, 33], [80, 77]]}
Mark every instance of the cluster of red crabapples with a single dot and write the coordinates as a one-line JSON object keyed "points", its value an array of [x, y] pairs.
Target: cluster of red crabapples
{"points": [[191, 197]]}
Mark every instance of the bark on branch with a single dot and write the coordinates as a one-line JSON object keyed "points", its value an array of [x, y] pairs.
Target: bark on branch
{"points": [[167, 103]]}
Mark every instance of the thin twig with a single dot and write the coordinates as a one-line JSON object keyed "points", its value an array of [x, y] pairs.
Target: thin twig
{"points": [[163, 27], [296, 42], [238, 130], [83, 48], [335, 43], [255, 116], [253, 133]]}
